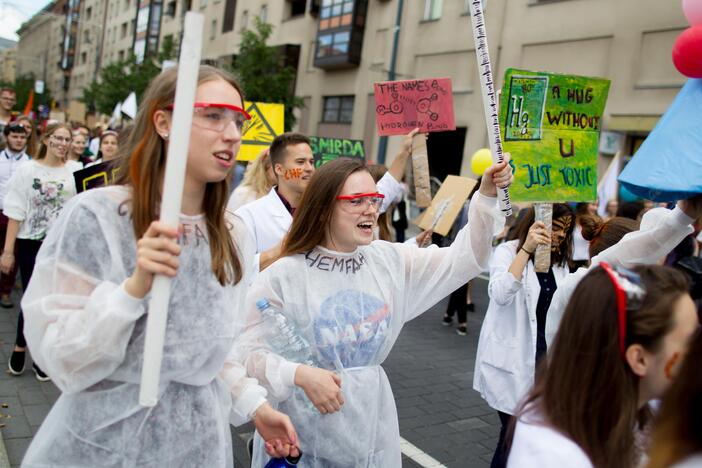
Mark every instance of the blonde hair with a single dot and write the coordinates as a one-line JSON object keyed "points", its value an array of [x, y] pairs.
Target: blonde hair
{"points": [[256, 175], [143, 169]]}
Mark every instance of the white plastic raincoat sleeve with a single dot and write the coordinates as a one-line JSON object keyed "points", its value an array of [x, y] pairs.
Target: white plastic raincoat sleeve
{"points": [[273, 371], [661, 230], [434, 273], [247, 394], [78, 325]]}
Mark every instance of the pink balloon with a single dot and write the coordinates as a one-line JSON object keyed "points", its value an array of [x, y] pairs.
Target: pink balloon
{"points": [[693, 11], [687, 52]]}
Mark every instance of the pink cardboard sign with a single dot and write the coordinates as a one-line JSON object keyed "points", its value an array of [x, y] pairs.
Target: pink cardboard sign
{"points": [[402, 106]]}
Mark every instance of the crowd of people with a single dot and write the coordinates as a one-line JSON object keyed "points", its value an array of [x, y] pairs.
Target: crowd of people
{"points": [[591, 363]]}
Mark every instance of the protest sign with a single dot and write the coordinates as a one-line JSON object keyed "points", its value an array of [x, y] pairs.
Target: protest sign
{"points": [[551, 126], [97, 175], [402, 106], [267, 122], [327, 149], [447, 204]]}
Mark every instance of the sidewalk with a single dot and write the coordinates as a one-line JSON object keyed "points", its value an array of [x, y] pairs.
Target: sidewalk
{"points": [[24, 400]]}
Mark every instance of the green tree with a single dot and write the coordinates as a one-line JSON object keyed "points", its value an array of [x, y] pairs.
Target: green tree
{"points": [[262, 73], [22, 86], [118, 79]]}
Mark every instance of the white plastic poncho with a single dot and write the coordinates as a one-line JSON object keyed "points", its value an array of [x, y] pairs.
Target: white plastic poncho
{"points": [[351, 308], [87, 333]]}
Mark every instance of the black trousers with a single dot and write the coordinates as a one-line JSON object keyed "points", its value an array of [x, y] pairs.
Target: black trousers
{"points": [[499, 459], [458, 303], [27, 250]]}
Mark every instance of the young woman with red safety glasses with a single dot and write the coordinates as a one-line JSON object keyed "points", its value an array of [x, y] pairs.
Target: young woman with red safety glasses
{"points": [[349, 297]]}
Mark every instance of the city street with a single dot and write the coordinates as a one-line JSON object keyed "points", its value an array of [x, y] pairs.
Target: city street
{"points": [[442, 420]]}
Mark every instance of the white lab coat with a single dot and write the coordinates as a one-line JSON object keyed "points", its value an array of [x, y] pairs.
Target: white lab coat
{"points": [[661, 230], [87, 333], [269, 221], [505, 360], [351, 308], [536, 444]]}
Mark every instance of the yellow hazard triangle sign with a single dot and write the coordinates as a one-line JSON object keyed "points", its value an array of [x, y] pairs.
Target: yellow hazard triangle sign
{"points": [[267, 122]]}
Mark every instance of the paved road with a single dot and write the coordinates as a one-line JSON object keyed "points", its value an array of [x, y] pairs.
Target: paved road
{"points": [[430, 369]]}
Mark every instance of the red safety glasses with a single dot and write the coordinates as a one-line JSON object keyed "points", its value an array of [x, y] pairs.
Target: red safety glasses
{"points": [[217, 116], [359, 202]]}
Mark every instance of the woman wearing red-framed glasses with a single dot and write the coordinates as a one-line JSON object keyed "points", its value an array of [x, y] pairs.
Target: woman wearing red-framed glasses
{"points": [[619, 345], [349, 296], [87, 303]]}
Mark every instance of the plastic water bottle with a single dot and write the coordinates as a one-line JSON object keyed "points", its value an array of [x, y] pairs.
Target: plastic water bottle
{"points": [[283, 462], [288, 342]]}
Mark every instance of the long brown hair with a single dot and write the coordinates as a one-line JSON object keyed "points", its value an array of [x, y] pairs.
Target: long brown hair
{"points": [[50, 130], [378, 171], [143, 168], [678, 430], [604, 234], [564, 255], [312, 218], [587, 391]]}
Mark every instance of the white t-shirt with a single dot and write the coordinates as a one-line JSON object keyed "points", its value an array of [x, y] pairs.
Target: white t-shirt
{"points": [[36, 194]]}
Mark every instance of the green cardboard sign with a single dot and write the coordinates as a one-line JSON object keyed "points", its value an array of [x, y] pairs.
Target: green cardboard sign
{"points": [[327, 149], [551, 126]]}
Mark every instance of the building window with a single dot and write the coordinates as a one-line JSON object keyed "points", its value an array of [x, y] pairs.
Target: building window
{"points": [[123, 32], [89, 13], [335, 13], [333, 44], [244, 20], [120, 55], [296, 8], [338, 109], [432, 10], [213, 31], [229, 14], [84, 58], [263, 15]]}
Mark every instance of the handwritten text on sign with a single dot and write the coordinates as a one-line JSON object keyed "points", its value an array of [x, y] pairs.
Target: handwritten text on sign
{"points": [[327, 149], [402, 106], [551, 126]]}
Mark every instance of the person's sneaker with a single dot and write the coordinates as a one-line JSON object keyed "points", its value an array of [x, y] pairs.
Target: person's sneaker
{"points": [[41, 376], [16, 363], [462, 330], [6, 301], [447, 320], [470, 307]]}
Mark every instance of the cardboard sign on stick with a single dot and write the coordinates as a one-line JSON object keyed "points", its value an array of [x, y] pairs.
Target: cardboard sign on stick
{"points": [[328, 149], [447, 204], [551, 126], [267, 122], [420, 170], [402, 106]]}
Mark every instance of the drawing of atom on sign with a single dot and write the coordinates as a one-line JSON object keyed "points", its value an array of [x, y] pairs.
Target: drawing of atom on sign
{"points": [[424, 106], [395, 106]]}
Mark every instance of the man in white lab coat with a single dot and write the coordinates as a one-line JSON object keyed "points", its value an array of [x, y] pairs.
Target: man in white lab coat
{"points": [[269, 218]]}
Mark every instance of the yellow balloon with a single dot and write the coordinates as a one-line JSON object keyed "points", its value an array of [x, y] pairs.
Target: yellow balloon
{"points": [[480, 161]]}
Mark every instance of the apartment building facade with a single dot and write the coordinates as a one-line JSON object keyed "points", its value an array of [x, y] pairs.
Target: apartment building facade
{"points": [[341, 47], [344, 46]]}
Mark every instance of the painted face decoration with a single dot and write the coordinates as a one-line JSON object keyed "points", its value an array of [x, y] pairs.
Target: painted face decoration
{"points": [[559, 231]]}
